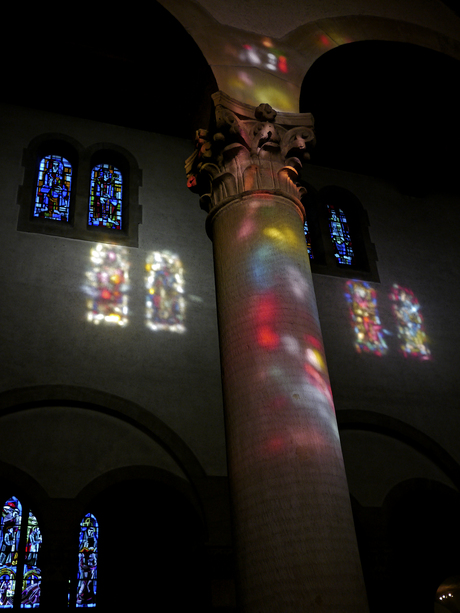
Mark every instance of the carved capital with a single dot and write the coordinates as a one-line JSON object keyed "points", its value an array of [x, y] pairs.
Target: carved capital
{"points": [[248, 150]]}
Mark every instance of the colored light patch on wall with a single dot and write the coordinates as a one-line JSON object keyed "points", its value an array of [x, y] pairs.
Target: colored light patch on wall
{"points": [[362, 300], [406, 310], [265, 56], [340, 235], [52, 196], [164, 282], [105, 203], [87, 562], [108, 285]]}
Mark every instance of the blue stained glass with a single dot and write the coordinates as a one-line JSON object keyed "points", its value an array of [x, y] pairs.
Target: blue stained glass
{"points": [[31, 582], [52, 197], [9, 545], [87, 562], [306, 231], [105, 204], [340, 235]]}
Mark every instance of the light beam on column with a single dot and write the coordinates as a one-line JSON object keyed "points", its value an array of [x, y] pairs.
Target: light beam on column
{"points": [[294, 535]]}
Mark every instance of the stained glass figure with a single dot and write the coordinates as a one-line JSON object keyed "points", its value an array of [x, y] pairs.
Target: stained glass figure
{"points": [[52, 197], [31, 582], [108, 285], [9, 547], [105, 204], [164, 282], [340, 235], [87, 562], [362, 299], [306, 232], [406, 309]]}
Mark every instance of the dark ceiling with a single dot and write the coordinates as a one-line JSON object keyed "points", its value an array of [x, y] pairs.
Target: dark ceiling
{"points": [[389, 110], [381, 108], [118, 66]]}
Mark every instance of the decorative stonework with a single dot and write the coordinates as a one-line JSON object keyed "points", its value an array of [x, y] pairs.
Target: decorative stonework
{"points": [[248, 151]]}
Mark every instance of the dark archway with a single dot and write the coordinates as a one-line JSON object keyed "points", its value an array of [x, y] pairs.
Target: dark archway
{"points": [[151, 551], [386, 109], [126, 67]]}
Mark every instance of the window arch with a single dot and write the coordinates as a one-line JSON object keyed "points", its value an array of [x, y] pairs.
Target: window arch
{"points": [[87, 562], [337, 236], [340, 235], [53, 189], [108, 193], [106, 197], [88, 194], [20, 542]]}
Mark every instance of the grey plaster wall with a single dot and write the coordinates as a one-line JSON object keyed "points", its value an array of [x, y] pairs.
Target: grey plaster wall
{"points": [[416, 243], [46, 339], [45, 336]]}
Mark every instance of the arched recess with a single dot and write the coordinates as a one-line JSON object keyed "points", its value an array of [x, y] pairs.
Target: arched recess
{"points": [[371, 104], [150, 532], [140, 75], [140, 418], [81, 160], [397, 429], [423, 541], [408, 542], [322, 258]]}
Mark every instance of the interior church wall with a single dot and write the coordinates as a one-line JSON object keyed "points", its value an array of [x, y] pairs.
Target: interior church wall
{"points": [[49, 340], [70, 451], [415, 241], [167, 373]]}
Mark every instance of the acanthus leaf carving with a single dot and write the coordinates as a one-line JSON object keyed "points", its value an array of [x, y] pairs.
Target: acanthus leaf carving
{"points": [[248, 154]]}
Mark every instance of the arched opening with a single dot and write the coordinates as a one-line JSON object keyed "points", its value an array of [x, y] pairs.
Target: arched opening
{"points": [[150, 548], [386, 109]]}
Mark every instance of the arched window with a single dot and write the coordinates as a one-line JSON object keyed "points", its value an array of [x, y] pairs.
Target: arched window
{"points": [[84, 193], [54, 184], [106, 193], [336, 233], [87, 562], [340, 235], [20, 541]]}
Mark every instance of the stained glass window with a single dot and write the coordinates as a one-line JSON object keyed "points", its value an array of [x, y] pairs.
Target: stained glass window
{"points": [[362, 299], [340, 235], [87, 562], [11, 558], [165, 302], [411, 334], [52, 196], [108, 285], [105, 205], [306, 231]]}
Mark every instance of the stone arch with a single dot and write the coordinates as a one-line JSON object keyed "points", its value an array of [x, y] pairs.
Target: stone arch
{"points": [[371, 421], [315, 38], [423, 541], [88, 399]]}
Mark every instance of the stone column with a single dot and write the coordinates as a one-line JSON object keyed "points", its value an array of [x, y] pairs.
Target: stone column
{"points": [[294, 535]]}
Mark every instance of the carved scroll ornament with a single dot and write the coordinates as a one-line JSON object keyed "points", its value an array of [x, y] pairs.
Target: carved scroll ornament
{"points": [[244, 155]]}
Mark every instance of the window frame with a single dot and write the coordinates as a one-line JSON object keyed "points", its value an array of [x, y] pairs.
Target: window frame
{"points": [[26, 509], [324, 261], [82, 160]]}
